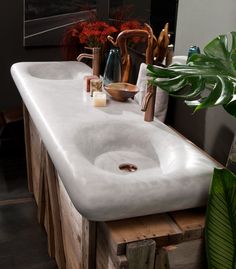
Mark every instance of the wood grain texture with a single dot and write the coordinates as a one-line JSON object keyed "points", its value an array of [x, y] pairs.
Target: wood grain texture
{"points": [[188, 255], [105, 257], [141, 254], [41, 197], [51, 177], [48, 222], [35, 148], [191, 222], [71, 222], [88, 244], [161, 227], [28, 147]]}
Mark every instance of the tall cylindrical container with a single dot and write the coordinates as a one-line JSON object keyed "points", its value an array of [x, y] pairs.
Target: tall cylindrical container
{"points": [[112, 72]]}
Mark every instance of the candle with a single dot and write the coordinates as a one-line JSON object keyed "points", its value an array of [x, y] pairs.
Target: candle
{"points": [[99, 99]]}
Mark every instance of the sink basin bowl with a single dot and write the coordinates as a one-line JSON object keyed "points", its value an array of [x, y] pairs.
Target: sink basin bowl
{"points": [[111, 146], [58, 70]]}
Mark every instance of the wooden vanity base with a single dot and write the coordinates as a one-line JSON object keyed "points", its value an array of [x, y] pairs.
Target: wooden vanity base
{"points": [[163, 241]]}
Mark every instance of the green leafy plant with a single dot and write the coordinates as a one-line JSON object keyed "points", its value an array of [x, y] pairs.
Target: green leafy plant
{"points": [[206, 80], [221, 221]]}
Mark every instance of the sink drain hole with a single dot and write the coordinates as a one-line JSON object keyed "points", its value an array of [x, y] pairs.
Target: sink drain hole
{"points": [[128, 167]]}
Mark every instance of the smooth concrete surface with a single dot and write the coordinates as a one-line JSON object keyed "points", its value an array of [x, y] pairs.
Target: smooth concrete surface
{"points": [[87, 144]]}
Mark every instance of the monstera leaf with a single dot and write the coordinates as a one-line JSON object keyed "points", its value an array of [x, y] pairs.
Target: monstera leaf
{"points": [[220, 227], [206, 80]]}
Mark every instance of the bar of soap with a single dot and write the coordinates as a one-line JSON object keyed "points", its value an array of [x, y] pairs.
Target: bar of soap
{"points": [[99, 99], [95, 86], [87, 79]]}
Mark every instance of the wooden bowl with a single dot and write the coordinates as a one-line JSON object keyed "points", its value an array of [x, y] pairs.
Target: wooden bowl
{"points": [[121, 91]]}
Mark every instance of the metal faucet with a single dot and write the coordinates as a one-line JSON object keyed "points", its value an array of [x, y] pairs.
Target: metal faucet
{"points": [[148, 104], [95, 56]]}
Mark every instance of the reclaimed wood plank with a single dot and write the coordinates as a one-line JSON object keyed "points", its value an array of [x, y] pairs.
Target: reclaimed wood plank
{"points": [[141, 254], [41, 197], [88, 244], [48, 223], [71, 222], [51, 178], [191, 222], [36, 148], [159, 227], [189, 254], [105, 258]]}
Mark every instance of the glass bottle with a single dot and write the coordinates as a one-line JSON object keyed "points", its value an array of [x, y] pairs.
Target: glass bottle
{"points": [[193, 50], [112, 71]]}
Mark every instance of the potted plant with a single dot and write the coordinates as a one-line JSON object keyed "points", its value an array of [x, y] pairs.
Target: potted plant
{"points": [[212, 76], [207, 80]]}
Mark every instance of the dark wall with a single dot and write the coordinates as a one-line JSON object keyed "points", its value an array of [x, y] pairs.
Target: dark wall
{"points": [[211, 129], [12, 50]]}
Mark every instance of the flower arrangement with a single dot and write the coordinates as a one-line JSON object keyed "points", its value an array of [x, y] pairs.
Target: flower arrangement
{"points": [[90, 33], [93, 33]]}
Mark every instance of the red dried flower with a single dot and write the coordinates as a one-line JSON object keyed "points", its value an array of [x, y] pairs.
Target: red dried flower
{"points": [[94, 34], [133, 24]]}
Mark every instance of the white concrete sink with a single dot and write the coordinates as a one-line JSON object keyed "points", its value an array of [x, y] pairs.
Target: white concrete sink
{"points": [[112, 163]]}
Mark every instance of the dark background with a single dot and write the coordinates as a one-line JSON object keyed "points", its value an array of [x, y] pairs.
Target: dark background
{"points": [[43, 8]]}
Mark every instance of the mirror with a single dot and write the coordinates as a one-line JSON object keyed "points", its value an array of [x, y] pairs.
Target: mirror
{"points": [[45, 21]]}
